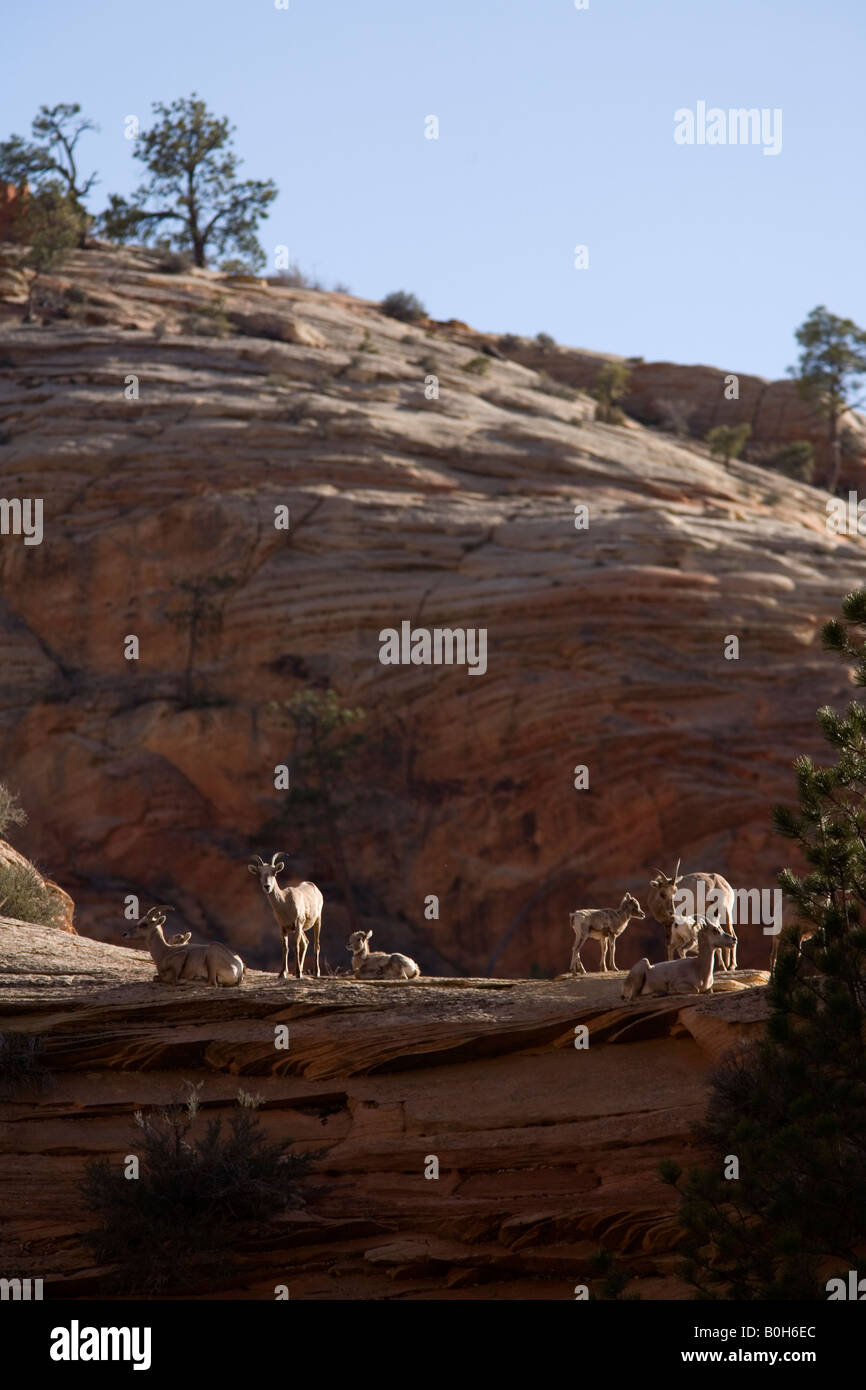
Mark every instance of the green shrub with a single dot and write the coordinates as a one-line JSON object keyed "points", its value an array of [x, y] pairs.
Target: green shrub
{"points": [[199, 1190], [208, 320], [174, 262], [11, 810], [726, 441], [508, 342], [428, 363], [24, 896], [545, 342], [479, 366], [75, 294], [609, 386], [796, 460], [52, 225], [403, 306], [609, 414]]}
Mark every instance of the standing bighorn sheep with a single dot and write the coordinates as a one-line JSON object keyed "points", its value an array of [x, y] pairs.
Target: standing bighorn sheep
{"points": [[297, 911], [178, 963], [691, 975], [605, 924], [378, 965], [704, 889]]}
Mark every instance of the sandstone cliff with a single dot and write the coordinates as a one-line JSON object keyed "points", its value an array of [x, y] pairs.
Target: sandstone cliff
{"points": [[545, 1151], [163, 417]]}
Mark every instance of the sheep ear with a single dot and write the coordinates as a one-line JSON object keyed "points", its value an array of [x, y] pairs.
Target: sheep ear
{"points": [[368, 935], [278, 868], [253, 867]]}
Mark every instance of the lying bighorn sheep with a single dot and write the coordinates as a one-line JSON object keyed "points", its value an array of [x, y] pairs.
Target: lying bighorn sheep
{"points": [[297, 911], [605, 924], [660, 901], [691, 975], [180, 938], [183, 964], [378, 965]]}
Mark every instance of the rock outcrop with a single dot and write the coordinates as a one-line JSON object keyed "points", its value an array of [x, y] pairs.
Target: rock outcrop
{"points": [[165, 418], [546, 1151]]}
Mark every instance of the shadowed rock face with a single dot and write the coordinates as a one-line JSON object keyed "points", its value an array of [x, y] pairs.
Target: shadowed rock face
{"points": [[605, 646], [545, 1150]]}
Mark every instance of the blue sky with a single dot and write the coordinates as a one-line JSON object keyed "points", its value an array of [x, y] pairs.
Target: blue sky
{"points": [[555, 129]]}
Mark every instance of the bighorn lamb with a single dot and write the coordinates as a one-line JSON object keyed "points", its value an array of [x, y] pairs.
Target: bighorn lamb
{"points": [[605, 924], [184, 964], [684, 936], [297, 910], [378, 965], [660, 901], [691, 975]]}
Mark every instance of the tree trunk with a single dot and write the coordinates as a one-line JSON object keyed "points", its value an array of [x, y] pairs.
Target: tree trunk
{"points": [[831, 480]]}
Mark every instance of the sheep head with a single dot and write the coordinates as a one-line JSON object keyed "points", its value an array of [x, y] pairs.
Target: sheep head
{"points": [[267, 873]]}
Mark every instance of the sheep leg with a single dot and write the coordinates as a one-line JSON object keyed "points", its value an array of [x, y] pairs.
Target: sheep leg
{"points": [[575, 958], [612, 953], [284, 973], [317, 928], [729, 954], [301, 944]]}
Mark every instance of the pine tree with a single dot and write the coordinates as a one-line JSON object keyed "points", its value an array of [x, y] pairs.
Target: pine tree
{"points": [[48, 163], [832, 366], [193, 199], [792, 1108]]}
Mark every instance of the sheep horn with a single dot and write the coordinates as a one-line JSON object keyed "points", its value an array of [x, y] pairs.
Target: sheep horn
{"points": [[677, 870]]}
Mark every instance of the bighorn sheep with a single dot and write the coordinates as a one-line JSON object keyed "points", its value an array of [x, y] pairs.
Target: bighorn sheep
{"points": [[691, 975], [800, 932], [660, 901], [180, 938], [378, 965], [684, 936], [178, 963], [605, 924], [297, 911]]}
